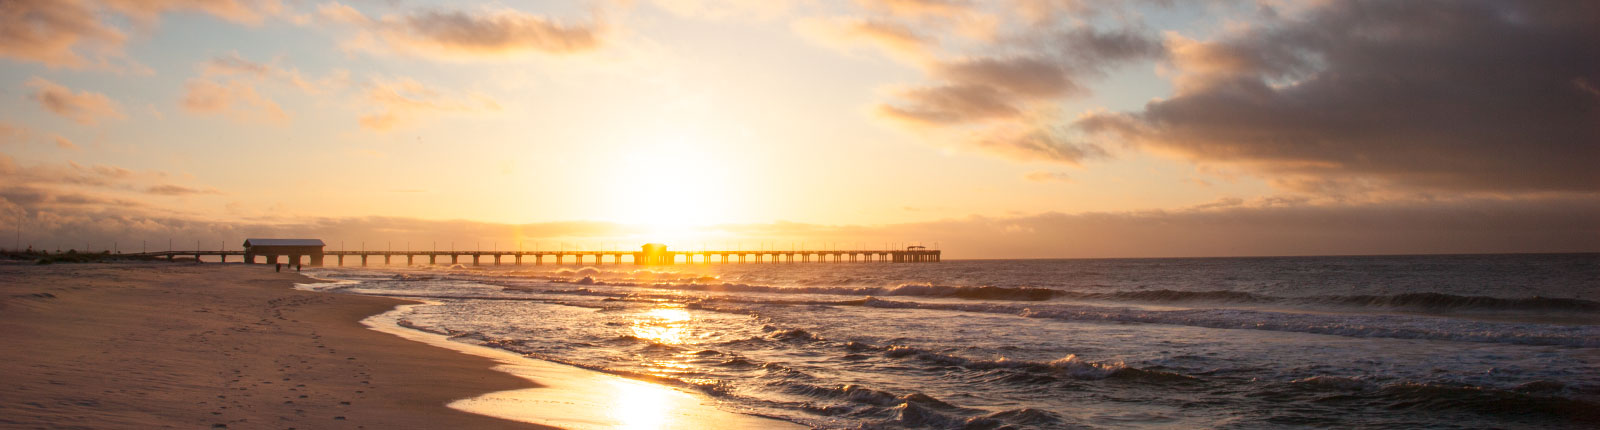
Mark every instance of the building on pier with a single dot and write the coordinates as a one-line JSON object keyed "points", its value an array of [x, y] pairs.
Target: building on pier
{"points": [[292, 248], [651, 253]]}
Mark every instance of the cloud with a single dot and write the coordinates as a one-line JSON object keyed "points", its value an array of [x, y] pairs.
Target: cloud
{"points": [[456, 35], [944, 8], [64, 143], [84, 107], [237, 68], [1047, 176], [49, 31], [403, 101], [997, 73], [1005, 99], [342, 13], [235, 99], [1006, 105], [59, 33], [724, 9], [177, 190], [240, 11], [37, 197], [897, 40], [231, 85], [12, 134], [233, 64], [1244, 228], [1224, 202], [1427, 96], [951, 104], [90, 191], [956, 18], [1023, 77]]}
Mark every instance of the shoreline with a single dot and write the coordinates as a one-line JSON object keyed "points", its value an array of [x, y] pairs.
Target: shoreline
{"points": [[567, 396], [575, 398], [163, 345]]}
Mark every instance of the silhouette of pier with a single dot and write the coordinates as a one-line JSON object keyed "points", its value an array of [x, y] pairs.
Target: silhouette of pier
{"points": [[652, 254]]}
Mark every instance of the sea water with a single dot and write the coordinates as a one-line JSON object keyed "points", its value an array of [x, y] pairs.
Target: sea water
{"points": [[1471, 341]]}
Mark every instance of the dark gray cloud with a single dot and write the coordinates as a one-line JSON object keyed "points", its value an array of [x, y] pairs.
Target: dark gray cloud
{"points": [[949, 104], [1475, 96], [1023, 59], [1089, 51], [1017, 76], [1005, 103]]}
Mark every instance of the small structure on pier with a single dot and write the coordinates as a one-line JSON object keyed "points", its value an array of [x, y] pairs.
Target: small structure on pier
{"points": [[292, 248], [652, 253]]}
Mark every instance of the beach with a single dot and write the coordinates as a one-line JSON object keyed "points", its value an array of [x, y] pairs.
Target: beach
{"points": [[157, 345], [217, 346]]}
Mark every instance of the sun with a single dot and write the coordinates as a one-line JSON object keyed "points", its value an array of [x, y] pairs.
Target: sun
{"points": [[672, 187]]}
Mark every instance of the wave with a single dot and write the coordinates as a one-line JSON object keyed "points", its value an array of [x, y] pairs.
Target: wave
{"points": [[1423, 302], [1381, 326], [1417, 301], [1071, 366], [1437, 301], [913, 410], [1538, 398], [911, 290], [1349, 325], [875, 407]]}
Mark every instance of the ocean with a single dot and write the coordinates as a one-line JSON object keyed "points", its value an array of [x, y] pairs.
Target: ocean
{"points": [[1450, 341]]}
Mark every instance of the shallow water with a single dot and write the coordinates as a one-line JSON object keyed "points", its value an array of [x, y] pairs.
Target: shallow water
{"points": [[1486, 341]]}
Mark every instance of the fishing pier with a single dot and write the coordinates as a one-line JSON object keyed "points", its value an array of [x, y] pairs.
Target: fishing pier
{"points": [[309, 252]]}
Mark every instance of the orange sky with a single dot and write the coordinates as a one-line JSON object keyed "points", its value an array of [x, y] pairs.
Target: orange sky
{"points": [[996, 129]]}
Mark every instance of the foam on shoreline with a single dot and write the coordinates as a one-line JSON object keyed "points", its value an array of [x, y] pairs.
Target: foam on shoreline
{"points": [[575, 398]]}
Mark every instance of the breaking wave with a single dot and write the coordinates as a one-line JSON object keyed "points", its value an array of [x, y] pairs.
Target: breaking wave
{"points": [[1422, 302]]}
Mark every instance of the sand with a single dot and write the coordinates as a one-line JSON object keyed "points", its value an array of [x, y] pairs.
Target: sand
{"points": [[185, 345], [217, 346]]}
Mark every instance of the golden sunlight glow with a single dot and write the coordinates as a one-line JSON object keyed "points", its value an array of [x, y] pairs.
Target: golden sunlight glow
{"points": [[662, 325], [670, 186], [640, 406]]}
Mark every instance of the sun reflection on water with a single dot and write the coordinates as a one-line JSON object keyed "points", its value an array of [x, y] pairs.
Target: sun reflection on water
{"points": [[662, 325], [640, 406]]}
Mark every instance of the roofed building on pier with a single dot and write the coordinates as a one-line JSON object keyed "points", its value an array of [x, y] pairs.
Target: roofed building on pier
{"points": [[294, 249]]}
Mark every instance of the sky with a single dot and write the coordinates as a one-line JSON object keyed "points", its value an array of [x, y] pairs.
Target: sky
{"points": [[994, 129]]}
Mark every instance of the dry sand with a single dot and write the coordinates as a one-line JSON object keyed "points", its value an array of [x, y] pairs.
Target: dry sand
{"points": [[213, 346]]}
